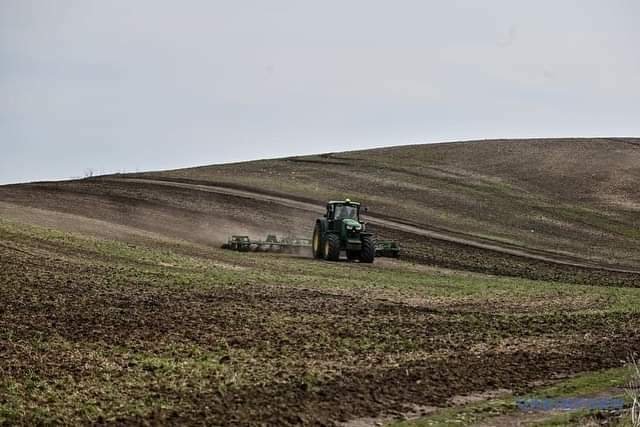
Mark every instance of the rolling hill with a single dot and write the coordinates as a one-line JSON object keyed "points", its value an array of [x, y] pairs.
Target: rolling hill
{"points": [[574, 201], [577, 197]]}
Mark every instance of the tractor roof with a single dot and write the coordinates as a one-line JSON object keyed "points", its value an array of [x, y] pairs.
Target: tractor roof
{"points": [[343, 202]]}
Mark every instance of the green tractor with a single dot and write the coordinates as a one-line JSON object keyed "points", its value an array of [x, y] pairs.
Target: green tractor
{"points": [[341, 229]]}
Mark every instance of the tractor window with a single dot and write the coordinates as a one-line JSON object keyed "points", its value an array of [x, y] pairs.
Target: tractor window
{"points": [[344, 211]]}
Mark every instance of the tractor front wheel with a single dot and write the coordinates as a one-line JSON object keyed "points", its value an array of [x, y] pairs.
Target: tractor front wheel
{"points": [[368, 251], [317, 241], [332, 248]]}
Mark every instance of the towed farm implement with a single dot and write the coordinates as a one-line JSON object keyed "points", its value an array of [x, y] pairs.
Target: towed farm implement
{"points": [[272, 243], [387, 248], [383, 248]]}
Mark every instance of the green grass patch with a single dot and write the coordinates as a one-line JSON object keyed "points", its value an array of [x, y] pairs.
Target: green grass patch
{"points": [[163, 266], [588, 383]]}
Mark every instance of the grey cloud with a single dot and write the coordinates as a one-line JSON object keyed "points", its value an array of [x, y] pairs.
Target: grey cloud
{"points": [[125, 85]]}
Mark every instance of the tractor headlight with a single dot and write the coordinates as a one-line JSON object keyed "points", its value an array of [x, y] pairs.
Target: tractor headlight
{"points": [[349, 227]]}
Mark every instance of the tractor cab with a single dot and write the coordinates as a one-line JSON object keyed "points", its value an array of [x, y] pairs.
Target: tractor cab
{"points": [[344, 209]]}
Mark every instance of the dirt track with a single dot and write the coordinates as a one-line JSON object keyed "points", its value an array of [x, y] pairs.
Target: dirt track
{"points": [[395, 225]]}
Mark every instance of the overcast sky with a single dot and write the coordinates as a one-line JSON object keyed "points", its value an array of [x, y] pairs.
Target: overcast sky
{"points": [[146, 84]]}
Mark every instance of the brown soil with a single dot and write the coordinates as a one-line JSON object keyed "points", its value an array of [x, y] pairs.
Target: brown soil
{"points": [[50, 294]]}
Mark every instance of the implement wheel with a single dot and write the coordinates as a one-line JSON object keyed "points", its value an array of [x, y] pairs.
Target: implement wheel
{"points": [[332, 248], [368, 251]]}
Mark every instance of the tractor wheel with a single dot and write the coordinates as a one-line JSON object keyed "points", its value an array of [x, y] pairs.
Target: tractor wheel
{"points": [[368, 251], [332, 248], [317, 241]]}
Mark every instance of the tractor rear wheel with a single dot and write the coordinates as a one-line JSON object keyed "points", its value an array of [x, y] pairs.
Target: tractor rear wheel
{"points": [[317, 241], [332, 248], [368, 251]]}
